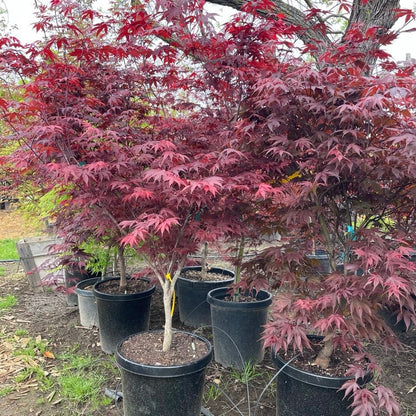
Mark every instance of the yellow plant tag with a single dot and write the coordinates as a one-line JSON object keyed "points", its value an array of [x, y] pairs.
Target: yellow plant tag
{"points": [[174, 295], [294, 175]]}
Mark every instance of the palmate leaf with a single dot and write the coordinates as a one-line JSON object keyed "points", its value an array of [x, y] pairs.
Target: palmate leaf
{"points": [[139, 194], [166, 225], [211, 185], [364, 403], [161, 175], [387, 400]]}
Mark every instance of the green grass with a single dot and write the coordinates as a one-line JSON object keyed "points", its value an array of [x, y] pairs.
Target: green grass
{"points": [[248, 373], [81, 388], [5, 391], [7, 302], [21, 332], [32, 348], [213, 392], [2, 271], [72, 378], [8, 250], [35, 372], [83, 378]]}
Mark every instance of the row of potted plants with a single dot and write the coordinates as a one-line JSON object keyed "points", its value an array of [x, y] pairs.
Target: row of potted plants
{"points": [[159, 132]]}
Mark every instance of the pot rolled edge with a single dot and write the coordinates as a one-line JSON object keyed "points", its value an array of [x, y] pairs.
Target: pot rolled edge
{"points": [[327, 382], [164, 371], [121, 296], [216, 297]]}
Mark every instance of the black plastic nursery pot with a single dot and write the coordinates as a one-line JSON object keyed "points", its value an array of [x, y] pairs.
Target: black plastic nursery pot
{"points": [[120, 315], [194, 310], [87, 305], [301, 393], [163, 390], [237, 328]]}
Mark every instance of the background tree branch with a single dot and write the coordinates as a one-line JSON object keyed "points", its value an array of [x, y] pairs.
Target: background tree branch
{"points": [[373, 13]]}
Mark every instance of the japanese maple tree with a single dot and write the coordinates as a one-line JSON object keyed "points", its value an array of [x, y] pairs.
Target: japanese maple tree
{"points": [[126, 133], [346, 144]]}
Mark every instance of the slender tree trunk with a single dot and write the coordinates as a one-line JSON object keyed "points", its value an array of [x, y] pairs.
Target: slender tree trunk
{"points": [[239, 259], [167, 306], [204, 261], [324, 356], [122, 264]]}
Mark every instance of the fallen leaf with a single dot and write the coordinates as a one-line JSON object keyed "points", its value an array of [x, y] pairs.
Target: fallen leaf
{"points": [[411, 390], [48, 354]]}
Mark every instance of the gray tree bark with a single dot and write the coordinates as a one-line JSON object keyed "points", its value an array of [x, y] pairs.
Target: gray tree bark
{"points": [[374, 13]]}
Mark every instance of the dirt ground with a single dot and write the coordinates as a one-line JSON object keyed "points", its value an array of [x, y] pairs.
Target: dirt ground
{"points": [[46, 314], [14, 226]]}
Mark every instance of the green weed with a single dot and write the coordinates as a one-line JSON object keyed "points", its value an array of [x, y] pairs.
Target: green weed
{"points": [[8, 250], [83, 379], [248, 373], [7, 302], [21, 332], [41, 401], [77, 379], [38, 373], [80, 387], [33, 347], [2, 271], [213, 392], [6, 390]]}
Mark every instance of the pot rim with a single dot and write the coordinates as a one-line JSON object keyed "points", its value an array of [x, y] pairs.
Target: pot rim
{"points": [[215, 298], [86, 282], [164, 371], [219, 270], [121, 296], [329, 382]]}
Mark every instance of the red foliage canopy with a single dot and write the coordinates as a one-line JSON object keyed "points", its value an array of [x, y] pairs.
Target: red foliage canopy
{"points": [[159, 132]]}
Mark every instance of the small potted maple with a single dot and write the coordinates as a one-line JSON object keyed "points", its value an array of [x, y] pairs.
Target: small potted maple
{"points": [[345, 190]]}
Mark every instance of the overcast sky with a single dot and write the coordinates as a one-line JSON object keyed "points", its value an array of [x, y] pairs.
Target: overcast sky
{"points": [[21, 15]]}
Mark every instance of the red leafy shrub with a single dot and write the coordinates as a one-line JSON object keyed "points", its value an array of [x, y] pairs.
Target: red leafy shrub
{"points": [[130, 138], [346, 142]]}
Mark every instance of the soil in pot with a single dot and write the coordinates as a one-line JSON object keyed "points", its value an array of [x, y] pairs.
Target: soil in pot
{"points": [[237, 326], [158, 383], [122, 314], [192, 289], [146, 348], [306, 389]]}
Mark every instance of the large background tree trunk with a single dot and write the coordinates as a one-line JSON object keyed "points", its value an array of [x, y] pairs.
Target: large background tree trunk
{"points": [[374, 13]]}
